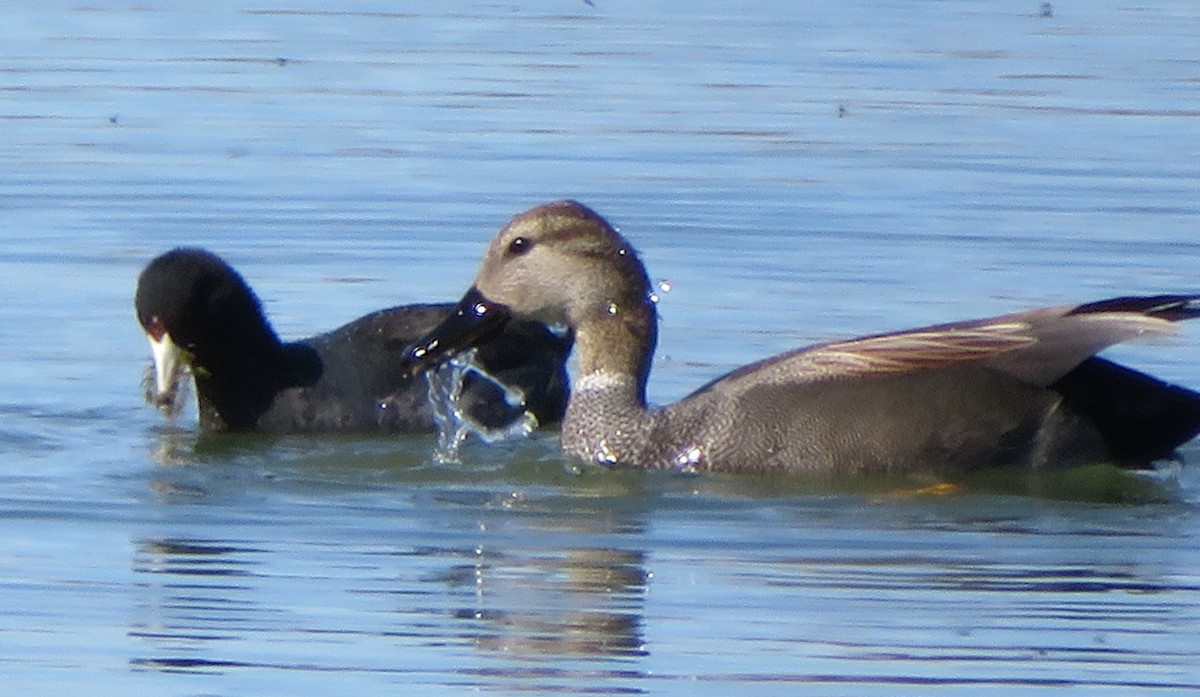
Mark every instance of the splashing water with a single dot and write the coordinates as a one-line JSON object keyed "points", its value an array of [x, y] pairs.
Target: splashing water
{"points": [[171, 402], [453, 422]]}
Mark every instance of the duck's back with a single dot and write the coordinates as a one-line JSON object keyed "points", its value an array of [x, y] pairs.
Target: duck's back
{"points": [[954, 419], [362, 386], [357, 386], [950, 419]]}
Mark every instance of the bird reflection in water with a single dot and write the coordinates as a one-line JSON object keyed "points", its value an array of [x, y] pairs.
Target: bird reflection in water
{"points": [[198, 595], [575, 601]]}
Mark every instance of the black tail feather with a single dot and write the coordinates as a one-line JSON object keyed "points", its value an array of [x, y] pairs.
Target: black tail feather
{"points": [[1142, 419], [1173, 308]]}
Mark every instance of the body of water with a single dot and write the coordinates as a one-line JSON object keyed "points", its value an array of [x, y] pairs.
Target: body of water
{"points": [[795, 172]]}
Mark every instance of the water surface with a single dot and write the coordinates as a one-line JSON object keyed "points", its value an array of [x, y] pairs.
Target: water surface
{"points": [[797, 172]]}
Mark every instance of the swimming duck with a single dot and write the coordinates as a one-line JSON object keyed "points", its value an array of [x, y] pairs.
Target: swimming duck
{"points": [[197, 310], [1024, 389]]}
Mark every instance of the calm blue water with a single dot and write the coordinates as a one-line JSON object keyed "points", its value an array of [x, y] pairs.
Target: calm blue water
{"points": [[795, 171]]}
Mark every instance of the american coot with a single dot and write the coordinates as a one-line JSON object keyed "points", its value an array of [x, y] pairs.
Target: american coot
{"points": [[197, 310], [1023, 389]]}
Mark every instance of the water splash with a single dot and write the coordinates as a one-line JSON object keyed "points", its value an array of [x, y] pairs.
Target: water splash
{"points": [[454, 424], [171, 402]]}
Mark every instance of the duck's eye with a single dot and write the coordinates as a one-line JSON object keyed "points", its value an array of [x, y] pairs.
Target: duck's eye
{"points": [[519, 246]]}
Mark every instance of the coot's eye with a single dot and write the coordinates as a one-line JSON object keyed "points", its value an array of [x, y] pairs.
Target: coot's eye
{"points": [[519, 246]]}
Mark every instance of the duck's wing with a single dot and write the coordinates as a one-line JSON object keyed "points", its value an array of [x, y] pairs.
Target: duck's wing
{"points": [[1037, 347]]}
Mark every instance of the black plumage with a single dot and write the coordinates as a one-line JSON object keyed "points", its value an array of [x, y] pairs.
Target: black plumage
{"points": [[349, 379]]}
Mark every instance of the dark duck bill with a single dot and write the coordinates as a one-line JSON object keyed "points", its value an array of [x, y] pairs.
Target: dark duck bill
{"points": [[474, 319]]}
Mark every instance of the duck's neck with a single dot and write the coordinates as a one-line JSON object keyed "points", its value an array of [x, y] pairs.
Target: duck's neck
{"points": [[607, 409], [619, 340], [237, 379]]}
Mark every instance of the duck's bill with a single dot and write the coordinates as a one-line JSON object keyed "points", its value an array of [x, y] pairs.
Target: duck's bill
{"points": [[164, 389], [475, 319]]}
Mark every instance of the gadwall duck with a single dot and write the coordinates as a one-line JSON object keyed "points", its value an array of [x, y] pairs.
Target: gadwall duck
{"points": [[1023, 389], [197, 310]]}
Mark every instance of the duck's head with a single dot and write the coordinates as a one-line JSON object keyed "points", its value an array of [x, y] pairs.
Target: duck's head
{"points": [[194, 308], [561, 264]]}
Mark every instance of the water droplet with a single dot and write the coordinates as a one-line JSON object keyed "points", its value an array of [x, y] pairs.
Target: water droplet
{"points": [[689, 459], [663, 287], [603, 455], [613, 309]]}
